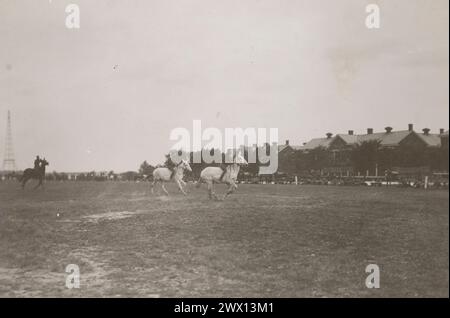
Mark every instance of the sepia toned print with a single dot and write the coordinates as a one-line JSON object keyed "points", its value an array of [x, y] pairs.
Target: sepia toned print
{"points": [[220, 149]]}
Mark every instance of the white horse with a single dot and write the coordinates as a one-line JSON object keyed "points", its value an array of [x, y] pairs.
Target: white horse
{"points": [[211, 175], [164, 174]]}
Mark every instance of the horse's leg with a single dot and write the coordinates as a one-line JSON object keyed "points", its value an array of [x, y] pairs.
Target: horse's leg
{"points": [[39, 184], [209, 184], [212, 191], [231, 189], [153, 185], [199, 183], [180, 187], [164, 189]]}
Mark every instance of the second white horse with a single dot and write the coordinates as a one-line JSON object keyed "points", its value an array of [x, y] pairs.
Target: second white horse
{"points": [[211, 175]]}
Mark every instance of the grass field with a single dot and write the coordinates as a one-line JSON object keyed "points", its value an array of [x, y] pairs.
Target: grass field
{"points": [[263, 241]]}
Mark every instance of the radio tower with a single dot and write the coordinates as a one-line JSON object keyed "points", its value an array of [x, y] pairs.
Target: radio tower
{"points": [[9, 163]]}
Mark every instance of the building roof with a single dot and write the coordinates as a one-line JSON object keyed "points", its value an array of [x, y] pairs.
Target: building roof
{"points": [[386, 139], [349, 139], [432, 140], [284, 146], [391, 139], [317, 142]]}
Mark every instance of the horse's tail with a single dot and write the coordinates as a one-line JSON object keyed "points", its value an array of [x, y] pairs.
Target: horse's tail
{"points": [[199, 182]]}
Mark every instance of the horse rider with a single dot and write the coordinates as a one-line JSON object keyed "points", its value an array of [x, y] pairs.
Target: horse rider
{"points": [[37, 163], [171, 166]]}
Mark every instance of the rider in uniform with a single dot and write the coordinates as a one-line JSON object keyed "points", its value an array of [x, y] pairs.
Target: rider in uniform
{"points": [[37, 163], [171, 166]]}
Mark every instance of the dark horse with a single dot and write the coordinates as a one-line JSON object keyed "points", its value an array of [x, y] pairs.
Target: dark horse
{"points": [[38, 174]]}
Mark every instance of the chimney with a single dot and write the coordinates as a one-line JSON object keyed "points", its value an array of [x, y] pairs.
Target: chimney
{"points": [[350, 132], [410, 127], [426, 131], [369, 131], [287, 142], [388, 129], [441, 131], [329, 135]]}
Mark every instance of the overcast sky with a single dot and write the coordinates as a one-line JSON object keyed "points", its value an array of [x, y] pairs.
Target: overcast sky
{"points": [[107, 95]]}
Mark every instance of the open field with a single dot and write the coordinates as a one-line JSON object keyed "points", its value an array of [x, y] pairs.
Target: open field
{"points": [[263, 241]]}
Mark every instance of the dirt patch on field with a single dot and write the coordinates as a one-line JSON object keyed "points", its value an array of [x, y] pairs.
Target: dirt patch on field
{"points": [[94, 277], [110, 216]]}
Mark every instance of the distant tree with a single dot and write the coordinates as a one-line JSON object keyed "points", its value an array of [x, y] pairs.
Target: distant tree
{"points": [[301, 161], [317, 158], [252, 168], [412, 157], [197, 167], [129, 176], [366, 156], [436, 158], [443, 157], [288, 161], [111, 175]]}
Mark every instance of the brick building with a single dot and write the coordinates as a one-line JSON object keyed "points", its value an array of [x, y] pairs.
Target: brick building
{"points": [[391, 149]]}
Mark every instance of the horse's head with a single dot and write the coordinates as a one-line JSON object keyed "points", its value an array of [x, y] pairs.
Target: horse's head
{"points": [[185, 165], [44, 162], [240, 160]]}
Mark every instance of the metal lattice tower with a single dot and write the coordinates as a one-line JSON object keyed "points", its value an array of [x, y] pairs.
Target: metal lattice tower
{"points": [[9, 163]]}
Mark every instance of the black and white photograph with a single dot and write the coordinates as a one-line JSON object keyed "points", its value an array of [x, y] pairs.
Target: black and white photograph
{"points": [[238, 149]]}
